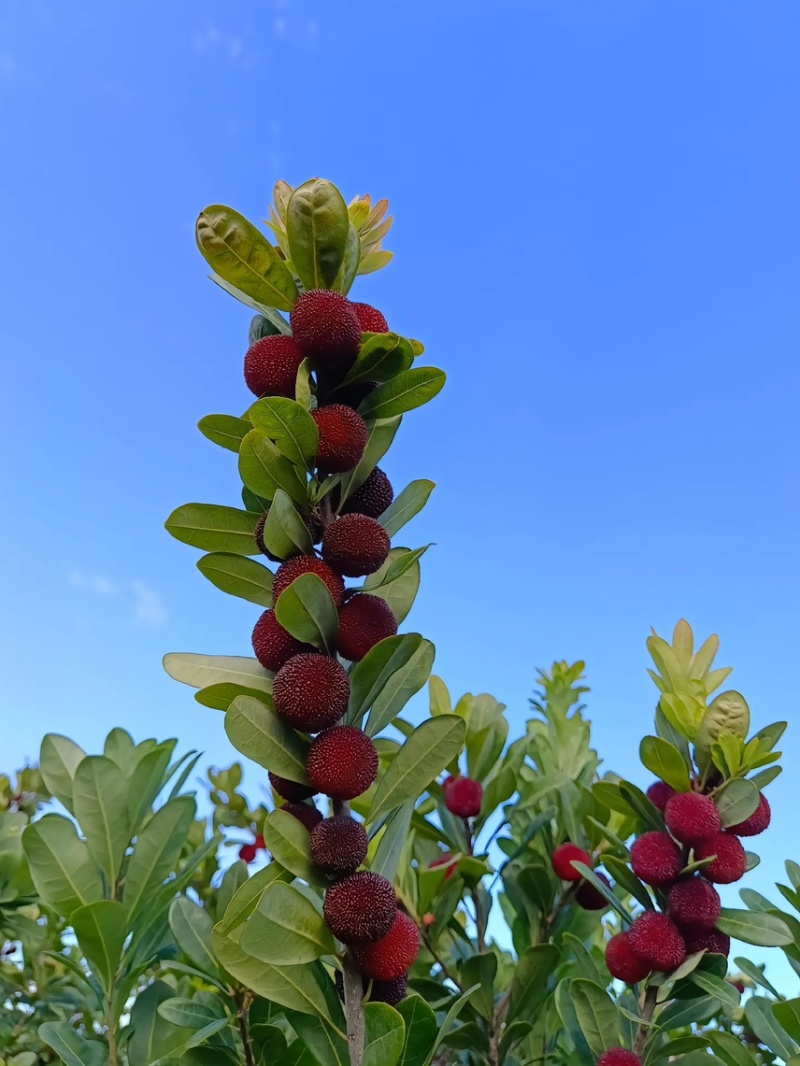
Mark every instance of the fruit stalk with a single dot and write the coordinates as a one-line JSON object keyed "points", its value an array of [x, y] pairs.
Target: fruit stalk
{"points": [[354, 1009], [648, 1009]]}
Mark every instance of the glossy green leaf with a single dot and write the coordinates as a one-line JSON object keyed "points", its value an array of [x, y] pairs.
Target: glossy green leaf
{"points": [[410, 389], [386, 860], [145, 784], [672, 1048], [529, 983], [100, 798], [285, 533], [736, 801], [152, 1036], [258, 732], [422, 757], [715, 986], [220, 697], [405, 506], [730, 1049], [398, 689], [382, 357], [325, 1046], [385, 1035], [348, 271], [286, 929], [192, 928], [214, 528], [72, 1048], [264, 470], [381, 433], [186, 1013], [238, 576], [666, 762], [156, 852], [59, 760], [371, 674], [225, 430], [758, 1011], [287, 840], [62, 870], [317, 229], [597, 1015], [481, 970], [242, 256], [755, 927], [101, 929], [420, 1031], [452, 1014], [307, 611], [263, 326], [289, 424], [201, 671], [788, 1014]]}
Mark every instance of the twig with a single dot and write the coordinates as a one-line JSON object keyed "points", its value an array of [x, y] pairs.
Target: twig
{"points": [[648, 1008], [243, 1001], [354, 1010], [442, 964]]}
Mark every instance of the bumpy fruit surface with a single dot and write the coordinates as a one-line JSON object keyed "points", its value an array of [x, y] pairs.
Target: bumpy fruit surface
{"points": [[307, 814], [370, 318], [342, 762], [364, 621], [707, 940], [308, 564], [391, 992], [463, 797], [339, 845], [656, 939], [590, 897], [563, 858], [248, 852], [326, 329], [271, 365], [692, 818], [660, 793], [311, 692], [393, 955], [656, 859], [617, 1056], [730, 863], [355, 545], [372, 498], [290, 790], [273, 645], [757, 822], [623, 963], [342, 438], [361, 908], [694, 902]]}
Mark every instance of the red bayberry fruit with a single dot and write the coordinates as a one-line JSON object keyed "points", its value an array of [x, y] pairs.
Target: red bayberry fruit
{"points": [[370, 318], [444, 860], [617, 1056], [694, 902], [308, 564], [372, 498], [692, 818], [290, 790], [326, 329], [306, 814], [248, 852], [364, 621], [391, 992], [393, 955], [339, 845], [656, 859], [463, 796], [660, 793], [730, 863], [590, 897], [271, 365], [273, 645], [563, 858], [623, 963], [656, 939], [355, 545], [342, 762], [342, 438], [707, 940], [756, 823], [311, 692], [361, 908]]}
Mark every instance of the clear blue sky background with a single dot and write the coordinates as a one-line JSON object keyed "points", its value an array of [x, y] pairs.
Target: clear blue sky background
{"points": [[596, 236]]}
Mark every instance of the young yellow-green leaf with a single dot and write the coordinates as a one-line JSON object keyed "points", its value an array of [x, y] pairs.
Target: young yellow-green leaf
{"points": [[736, 801], [379, 440], [59, 760], [62, 870], [409, 503], [385, 1035], [289, 424], [257, 731], [200, 671], [238, 576], [287, 841], [286, 929], [225, 430], [398, 689], [264, 470], [214, 528], [665, 761], [398, 589], [100, 797], [285, 533], [422, 757], [348, 271], [728, 713], [242, 256], [317, 229], [382, 357], [755, 927], [683, 712], [307, 611], [410, 389], [156, 852], [101, 929]]}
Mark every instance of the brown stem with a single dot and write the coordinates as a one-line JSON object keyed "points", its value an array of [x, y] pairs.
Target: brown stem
{"points": [[442, 964], [243, 1001], [497, 1029], [354, 1010], [648, 1008]]}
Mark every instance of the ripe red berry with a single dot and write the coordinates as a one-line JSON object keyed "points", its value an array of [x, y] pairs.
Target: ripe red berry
{"points": [[339, 845], [273, 645], [617, 1056], [271, 365], [693, 902], [290, 790], [372, 498], [445, 860], [756, 823], [707, 940], [307, 814], [591, 898], [370, 318], [326, 329], [342, 762], [364, 621], [623, 963], [248, 852], [563, 858], [659, 793], [692, 818], [730, 863], [393, 955], [342, 438], [308, 564], [656, 859], [656, 939], [260, 843], [391, 992], [355, 545], [463, 796], [311, 692], [361, 908]]}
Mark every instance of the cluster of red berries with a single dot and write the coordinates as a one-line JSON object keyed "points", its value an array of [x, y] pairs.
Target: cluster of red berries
{"points": [[311, 690]]}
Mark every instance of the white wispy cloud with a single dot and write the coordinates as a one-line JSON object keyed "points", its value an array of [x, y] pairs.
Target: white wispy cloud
{"points": [[148, 607], [145, 605]]}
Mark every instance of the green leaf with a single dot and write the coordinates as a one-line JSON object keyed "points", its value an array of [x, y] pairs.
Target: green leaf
{"points": [[369, 676], [625, 877], [285, 533], [101, 929], [449, 1018], [379, 440], [59, 760], [731, 1049], [350, 264], [63, 872], [317, 228], [642, 805], [156, 852], [192, 928], [238, 576], [788, 1014], [403, 508], [756, 974], [715, 986], [286, 929], [420, 1031], [422, 757], [267, 326], [481, 970], [264, 470], [214, 528], [529, 983], [225, 430], [766, 777], [187, 1013], [287, 840], [755, 927], [220, 697], [398, 689], [401, 591], [243, 257], [385, 1035], [770, 735], [72, 1048], [410, 389], [100, 796], [307, 611], [683, 711], [386, 860], [602, 887], [325, 1046], [597, 1015], [382, 357], [151, 1035], [201, 671], [665, 761], [758, 1011], [120, 748], [290, 425], [681, 1046], [736, 801], [258, 732], [145, 784]]}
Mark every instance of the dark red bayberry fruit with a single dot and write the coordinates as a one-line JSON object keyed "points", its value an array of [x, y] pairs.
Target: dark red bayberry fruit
{"points": [[305, 813], [590, 897], [355, 545], [660, 793], [707, 940], [373, 498], [311, 692], [656, 859], [757, 822], [308, 564], [693, 902], [273, 645], [360, 909], [342, 762], [248, 852], [271, 365], [463, 796], [691, 818], [326, 328], [623, 963], [364, 621], [730, 863], [617, 1056], [290, 790], [391, 992], [563, 858], [656, 939], [342, 438], [370, 318], [339, 845], [393, 955]]}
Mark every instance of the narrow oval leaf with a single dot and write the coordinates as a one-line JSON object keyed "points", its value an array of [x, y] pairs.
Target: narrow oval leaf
{"points": [[408, 390], [381, 435], [72, 1048], [269, 313], [288, 842], [422, 757], [146, 782], [285, 533], [665, 761], [348, 271], [156, 852], [736, 801], [386, 860], [402, 591], [62, 870], [755, 927], [286, 929], [371, 674], [225, 430], [220, 697], [758, 1011], [290, 425], [307, 611], [101, 929], [214, 528], [529, 983], [256, 731], [200, 671], [398, 689], [187, 1013], [597, 1015], [317, 228], [264, 470], [788, 1014], [238, 576], [385, 1035], [100, 796], [192, 928], [403, 508], [59, 760], [382, 357], [420, 1033], [153, 1037]]}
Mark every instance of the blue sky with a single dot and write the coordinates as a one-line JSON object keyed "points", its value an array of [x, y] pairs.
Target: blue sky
{"points": [[596, 237]]}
